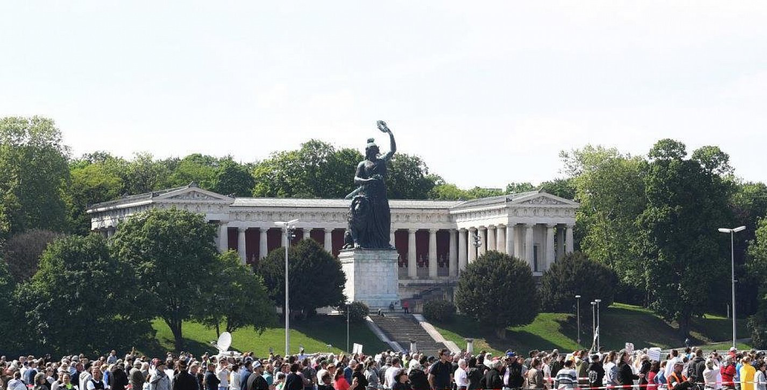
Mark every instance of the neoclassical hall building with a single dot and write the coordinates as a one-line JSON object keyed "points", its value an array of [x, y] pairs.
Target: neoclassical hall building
{"points": [[435, 240]]}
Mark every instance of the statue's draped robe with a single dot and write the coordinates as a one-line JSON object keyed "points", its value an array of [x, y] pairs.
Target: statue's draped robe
{"points": [[378, 216]]}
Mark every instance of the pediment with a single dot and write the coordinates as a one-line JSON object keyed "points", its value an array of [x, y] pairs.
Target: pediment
{"points": [[544, 199], [194, 194]]}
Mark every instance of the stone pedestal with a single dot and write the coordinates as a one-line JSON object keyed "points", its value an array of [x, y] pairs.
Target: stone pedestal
{"points": [[371, 276]]}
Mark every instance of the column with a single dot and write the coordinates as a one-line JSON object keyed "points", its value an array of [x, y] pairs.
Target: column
{"points": [[463, 253], [110, 232], [500, 239], [491, 238], [472, 248], [569, 239], [307, 233], [223, 237], [392, 240], [560, 243], [550, 255], [482, 241], [412, 266], [329, 240], [529, 243], [262, 243], [510, 240], [433, 254], [452, 255], [241, 250]]}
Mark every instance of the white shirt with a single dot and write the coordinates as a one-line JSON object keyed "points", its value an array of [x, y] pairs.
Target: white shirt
{"points": [[390, 376], [16, 384], [461, 379], [670, 366], [234, 383], [223, 376]]}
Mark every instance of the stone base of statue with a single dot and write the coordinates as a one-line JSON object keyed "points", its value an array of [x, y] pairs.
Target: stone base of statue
{"points": [[371, 277]]}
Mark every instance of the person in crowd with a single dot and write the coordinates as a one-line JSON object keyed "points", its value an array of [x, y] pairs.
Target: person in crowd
{"points": [[136, 377], [760, 379], [256, 380], [234, 377], [728, 373], [440, 373], [371, 375], [474, 375], [211, 380], [293, 381], [492, 378], [159, 379], [461, 375], [222, 372], [417, 377], [566, 377], [340, 382], [652, 384], [711, 375], [535, 375], [359, 382], [677, 380], [626, 376], [325, 381], [401, 380], [596, 372], [96, 382], [39, 381], [747, 372]]}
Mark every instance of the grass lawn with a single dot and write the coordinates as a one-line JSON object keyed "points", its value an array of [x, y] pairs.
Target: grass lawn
{"points": [[315, 334], [620, 324]]}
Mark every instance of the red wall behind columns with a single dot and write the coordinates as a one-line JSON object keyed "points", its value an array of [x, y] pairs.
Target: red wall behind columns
{"points": [[319, 236], [400, 242]]}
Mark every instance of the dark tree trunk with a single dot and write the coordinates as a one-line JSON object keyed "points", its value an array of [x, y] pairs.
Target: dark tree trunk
{"points": [[178, 338]]}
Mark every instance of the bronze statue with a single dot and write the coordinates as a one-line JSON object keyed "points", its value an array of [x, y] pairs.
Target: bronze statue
{"points": [[369, 214]]}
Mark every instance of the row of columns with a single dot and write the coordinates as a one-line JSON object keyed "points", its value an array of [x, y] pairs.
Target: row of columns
{"points": [[498, 238], [223, 240], [503, 239]]}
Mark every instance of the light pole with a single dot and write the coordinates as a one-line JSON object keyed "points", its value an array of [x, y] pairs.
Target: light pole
{"points": [[593, 323], [732, 258], [348, 310], [578, 315], [287, 232], [598, 328]]}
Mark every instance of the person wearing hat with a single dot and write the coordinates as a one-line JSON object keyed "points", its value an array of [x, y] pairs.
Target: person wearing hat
{"points": [[417, 377], [677, 380], [728, 372], [159, 380], [184, 380]]}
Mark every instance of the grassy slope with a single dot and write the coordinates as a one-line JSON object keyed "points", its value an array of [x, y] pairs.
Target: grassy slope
{"points": [[314, 334], [620, 324]]}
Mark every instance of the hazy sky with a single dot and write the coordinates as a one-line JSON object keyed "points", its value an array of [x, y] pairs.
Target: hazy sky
{"points": [[485, 92]]}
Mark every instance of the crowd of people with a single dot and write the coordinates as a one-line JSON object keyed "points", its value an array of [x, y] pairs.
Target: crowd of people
{"points": [[690, 369]]}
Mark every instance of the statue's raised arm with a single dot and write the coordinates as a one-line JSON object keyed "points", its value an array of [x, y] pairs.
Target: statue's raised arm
{"points": [[392, 145]]}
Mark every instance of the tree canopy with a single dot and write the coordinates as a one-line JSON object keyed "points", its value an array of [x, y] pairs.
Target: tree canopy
{"points": [[575, 275], [498, 290], [315, 277], [174, 255]]}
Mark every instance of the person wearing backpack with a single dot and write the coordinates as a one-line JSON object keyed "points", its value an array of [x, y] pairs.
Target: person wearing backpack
{"points": [[596, 372], [696, 367]]}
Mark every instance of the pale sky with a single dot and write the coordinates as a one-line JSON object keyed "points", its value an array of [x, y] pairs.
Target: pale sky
{"points": [[485, 92]]}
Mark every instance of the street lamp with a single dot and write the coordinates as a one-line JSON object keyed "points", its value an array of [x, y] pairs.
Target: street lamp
{"points": [[476, 241], [732, 256], [593, 323], [578, 315], [348, 316], [287, 232], [599, 331]]}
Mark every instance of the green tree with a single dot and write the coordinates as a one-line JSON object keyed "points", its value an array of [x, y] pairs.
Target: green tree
{"points": [[316, 170], [143, 174], [33, 174], [239, 297], [748, 204], [686, 203], [22, 252], [80, 297], [315, 277], [8, 325], [233, 179], [197, 168], [95, 178], [757, 268], [611, 190], [409, 178], [496, 277], [515, 188], [575, 275], [563, 188], [174, 255], [448, 191]]}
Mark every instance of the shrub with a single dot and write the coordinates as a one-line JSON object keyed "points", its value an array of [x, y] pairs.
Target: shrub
{"points": [[441, 311], [575, 275], [358, 311]]}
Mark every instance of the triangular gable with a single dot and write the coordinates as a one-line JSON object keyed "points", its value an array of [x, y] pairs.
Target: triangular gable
{"points": [[193, 193], [543, 198]]}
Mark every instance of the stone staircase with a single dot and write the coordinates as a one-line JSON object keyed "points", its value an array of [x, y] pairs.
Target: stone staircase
{"points": [[402, 328]]}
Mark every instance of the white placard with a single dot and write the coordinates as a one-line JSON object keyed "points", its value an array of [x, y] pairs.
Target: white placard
{"points": [[654, 354], [357, 348], [630, 348]]}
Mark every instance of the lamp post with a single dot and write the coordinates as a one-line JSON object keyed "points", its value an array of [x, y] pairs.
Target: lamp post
{"points": [[287, 232], [732, 258], [348, 316], [578, 316], [593, 322], [598, 328]]}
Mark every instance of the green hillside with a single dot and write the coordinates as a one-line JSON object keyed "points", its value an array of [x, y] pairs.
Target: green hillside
{"points": [[315, 334], [620, 324]]}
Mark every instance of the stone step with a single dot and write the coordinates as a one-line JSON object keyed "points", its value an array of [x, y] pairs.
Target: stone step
{"points": [[403, 328]]}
